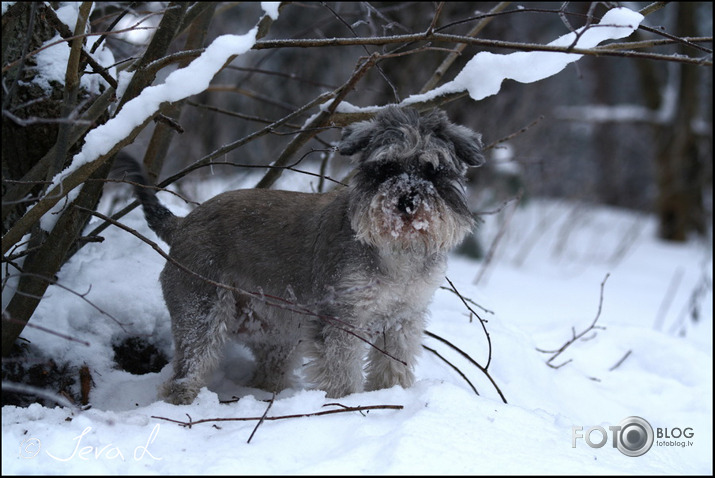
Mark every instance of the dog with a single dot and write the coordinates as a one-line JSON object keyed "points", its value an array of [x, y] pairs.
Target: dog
{"points": [[333, 278]]}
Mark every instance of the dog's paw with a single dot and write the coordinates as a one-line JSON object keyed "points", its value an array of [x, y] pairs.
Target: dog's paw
{"points": [[179, 392]]}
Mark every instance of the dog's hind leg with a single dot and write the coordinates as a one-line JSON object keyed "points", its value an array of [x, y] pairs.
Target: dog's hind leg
{"points": [[199, 326], [275, 363]]}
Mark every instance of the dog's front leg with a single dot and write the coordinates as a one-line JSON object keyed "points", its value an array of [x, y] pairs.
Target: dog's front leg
{"points": [[400, 341], [337, 359]]}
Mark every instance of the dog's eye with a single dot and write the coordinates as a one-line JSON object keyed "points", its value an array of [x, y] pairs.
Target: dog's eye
{"points": [[382, 171], [429, 170]]}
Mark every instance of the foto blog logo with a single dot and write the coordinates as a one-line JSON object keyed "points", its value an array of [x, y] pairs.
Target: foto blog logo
{"points": [[633, 436]]}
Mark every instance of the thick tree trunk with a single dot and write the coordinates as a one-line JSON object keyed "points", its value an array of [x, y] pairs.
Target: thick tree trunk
{"points": [[679, 166], [27, 139], [49, 251], [23, 145]]}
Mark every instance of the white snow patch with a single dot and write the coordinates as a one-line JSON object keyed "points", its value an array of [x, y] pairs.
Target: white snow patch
{"points": [[52, 61], [271, 9]]}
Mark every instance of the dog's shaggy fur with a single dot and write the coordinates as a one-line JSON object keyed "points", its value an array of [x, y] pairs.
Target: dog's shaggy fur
{"points": [[365, 260]]}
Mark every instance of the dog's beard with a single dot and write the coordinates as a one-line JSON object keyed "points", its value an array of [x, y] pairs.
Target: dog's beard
{"points": [[407, 213]]}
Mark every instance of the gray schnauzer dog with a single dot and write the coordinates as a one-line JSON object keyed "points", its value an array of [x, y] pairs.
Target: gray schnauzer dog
{"points": [[358, 264]]}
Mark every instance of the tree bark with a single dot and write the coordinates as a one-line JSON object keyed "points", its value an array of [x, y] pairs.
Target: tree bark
{"points": [[679, 166]]}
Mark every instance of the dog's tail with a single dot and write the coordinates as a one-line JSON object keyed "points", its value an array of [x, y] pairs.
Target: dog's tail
{"points": [[162, 221]]}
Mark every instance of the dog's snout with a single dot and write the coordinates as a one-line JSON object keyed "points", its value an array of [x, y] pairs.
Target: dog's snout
{"points": [[406, 203]]}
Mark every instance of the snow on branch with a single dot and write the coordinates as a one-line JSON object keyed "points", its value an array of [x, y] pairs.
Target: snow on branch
{"points": [[104, 140], [483, 75], [179, 85]]}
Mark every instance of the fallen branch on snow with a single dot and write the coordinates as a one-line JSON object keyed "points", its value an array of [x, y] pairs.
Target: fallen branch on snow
{"points": [[192, 422]]}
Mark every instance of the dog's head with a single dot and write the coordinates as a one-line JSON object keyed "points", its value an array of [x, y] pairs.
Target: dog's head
{"points": [[408, 191]]}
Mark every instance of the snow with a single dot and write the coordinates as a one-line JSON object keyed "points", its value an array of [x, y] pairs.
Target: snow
{"points": [[139, 29], [271, 9], [52, 61], [544, 279]]}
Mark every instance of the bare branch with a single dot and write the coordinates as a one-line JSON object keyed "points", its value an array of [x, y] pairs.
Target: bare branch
{"points": [[471, 360], [653, 7], [574, 335], [7, 318], [76, 39], [618, 364], [39, 392], [318, 121], [454, 367], [192, 422], [513, 135], [444, 38], [263, 417], [82, 296], [450, 59], [495, 243]]}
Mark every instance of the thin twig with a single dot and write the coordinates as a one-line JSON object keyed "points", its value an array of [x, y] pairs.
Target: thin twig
{"points": [[471, 301], [191, 422], [319, 120], [39, 392], [6, 317], [513, 135], [668, 297], [481, 321], [618, 364], [54, 282], [497, 240], [108, 30], [653, 7], [499, 208], [574, 335], [435, 17], [379, 69], [466, 355], [454, 367], [263, 418], [154, 188], [655, 43]]}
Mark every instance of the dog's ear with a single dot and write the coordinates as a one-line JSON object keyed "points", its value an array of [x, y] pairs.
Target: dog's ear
{"points": [[356, 137], [467, 144]]}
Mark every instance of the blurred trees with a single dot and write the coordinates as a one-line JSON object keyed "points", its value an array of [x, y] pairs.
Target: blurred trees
{"points": [[631, 129]]}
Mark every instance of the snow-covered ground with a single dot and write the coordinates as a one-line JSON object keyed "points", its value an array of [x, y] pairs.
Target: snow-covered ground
{"points": [[544, 279]]}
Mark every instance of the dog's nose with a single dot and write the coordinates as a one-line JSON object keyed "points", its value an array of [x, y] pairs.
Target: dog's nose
{"points": [[406, 203]]}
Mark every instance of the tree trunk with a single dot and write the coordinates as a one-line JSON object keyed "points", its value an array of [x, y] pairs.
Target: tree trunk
{"points": [[27, 139], [679, 166], [24, 145]]}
